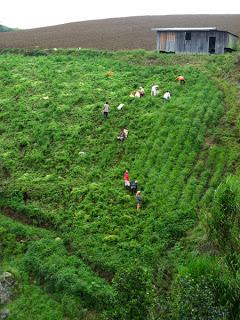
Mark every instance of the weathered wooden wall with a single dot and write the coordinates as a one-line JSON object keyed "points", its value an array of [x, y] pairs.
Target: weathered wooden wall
{"points": [[199, 43]]}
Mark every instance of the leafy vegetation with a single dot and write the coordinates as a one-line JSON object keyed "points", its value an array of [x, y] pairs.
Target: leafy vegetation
{"points": [[78, 233]]}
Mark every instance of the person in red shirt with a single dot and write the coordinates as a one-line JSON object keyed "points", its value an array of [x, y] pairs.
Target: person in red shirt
{"points": [[126, 179], [181, 79]]}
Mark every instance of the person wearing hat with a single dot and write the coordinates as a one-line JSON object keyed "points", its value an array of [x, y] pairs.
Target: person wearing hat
{"points": [[138, 93], [181, 79], [138, 200]]}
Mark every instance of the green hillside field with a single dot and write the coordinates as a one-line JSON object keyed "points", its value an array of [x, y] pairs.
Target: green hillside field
{"points": [[69, 231]]}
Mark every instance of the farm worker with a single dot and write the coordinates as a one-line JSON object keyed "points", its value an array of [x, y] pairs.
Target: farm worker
{"points": [[133, 94], [123, 134], [181, 79], [138, 200], [154, 90], [141, 91], [133, 186], [137, 94], [167, 96], [106, 109], [126, 179]]}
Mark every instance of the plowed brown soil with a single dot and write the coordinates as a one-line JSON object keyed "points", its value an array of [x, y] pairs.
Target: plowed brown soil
{"points": [[113, 34]]}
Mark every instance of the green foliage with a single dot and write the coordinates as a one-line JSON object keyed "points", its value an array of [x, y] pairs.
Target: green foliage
{"points": [[224, 220], [135, 295], [49, 262], [62, 164], [61, 168], [33, 303], [199, 292], [9, 244], [223, 228]]}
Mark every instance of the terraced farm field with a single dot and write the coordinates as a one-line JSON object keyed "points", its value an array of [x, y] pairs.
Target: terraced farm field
{"points": [[69, 230]]}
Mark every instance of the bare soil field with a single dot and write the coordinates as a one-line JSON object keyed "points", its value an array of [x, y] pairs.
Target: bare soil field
{"points": [[113, 34]]}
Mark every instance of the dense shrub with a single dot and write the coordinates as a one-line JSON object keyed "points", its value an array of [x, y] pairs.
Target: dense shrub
{"points": [[134, 293], [199, 291], [224, 220], [49, 262]]}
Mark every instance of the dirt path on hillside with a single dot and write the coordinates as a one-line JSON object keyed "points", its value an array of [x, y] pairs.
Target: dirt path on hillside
{"points": [[20, 217]]}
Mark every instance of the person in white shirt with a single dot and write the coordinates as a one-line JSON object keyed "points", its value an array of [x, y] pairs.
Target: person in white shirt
{"points": [[123, 135], [167, 96], [106, 109], [141, 91], [154, 90], [138, 93]]}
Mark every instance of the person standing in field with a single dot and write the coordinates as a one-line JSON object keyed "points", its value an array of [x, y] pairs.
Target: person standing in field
{"points": [[154, 90], [181, 79], [133, 186], [126, 179], [106, 109], [138, 200]]}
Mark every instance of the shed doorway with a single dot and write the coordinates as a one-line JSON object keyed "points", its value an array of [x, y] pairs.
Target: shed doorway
{"points": [[212, 45]]}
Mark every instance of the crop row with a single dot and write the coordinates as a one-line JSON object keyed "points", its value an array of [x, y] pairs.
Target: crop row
{"points": [[65, 158]]}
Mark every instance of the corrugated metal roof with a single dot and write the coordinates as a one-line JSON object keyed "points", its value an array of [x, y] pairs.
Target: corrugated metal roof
{"points": [[185, 29], [192, 29]]}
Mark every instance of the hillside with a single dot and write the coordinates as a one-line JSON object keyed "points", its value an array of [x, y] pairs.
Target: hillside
{"points": [[70, 232], [5, 29], [113, 34]]}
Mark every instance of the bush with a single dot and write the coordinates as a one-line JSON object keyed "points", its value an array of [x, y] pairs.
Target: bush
{"points": [[198, 291], [49, 261], [224, 220], [135, 294]]}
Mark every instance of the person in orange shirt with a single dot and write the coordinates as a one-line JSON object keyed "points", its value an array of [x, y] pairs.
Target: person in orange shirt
{"points": [[181, 79]]}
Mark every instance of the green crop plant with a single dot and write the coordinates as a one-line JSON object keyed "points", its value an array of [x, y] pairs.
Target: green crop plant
{"points": [[62, 168]]}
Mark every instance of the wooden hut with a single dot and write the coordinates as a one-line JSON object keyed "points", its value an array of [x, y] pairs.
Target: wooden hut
{"points": [[195, 40]]}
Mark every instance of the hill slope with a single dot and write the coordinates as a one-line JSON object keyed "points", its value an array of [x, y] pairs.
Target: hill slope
{"points": [[113, 34], [67, 223], [5, 29]]}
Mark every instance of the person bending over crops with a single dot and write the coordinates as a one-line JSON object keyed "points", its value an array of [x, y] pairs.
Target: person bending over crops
{"points": [[134, 94], [138, 200], [106, 109], [133, 186], [126, 179], [181, 79], [138, 94], [123, 135], [155, 90], [166, 96], [141, 91]]}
